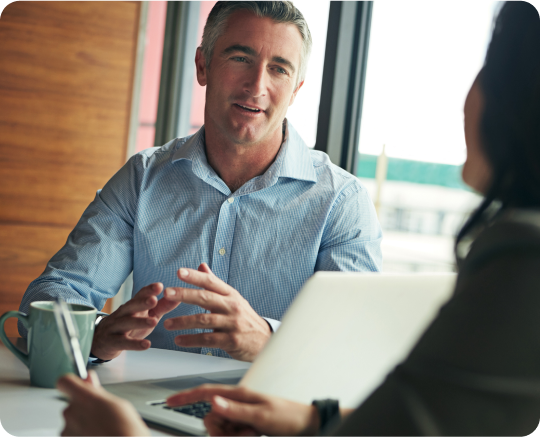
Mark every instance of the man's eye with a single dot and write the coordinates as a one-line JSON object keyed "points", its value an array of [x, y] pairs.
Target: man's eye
{"points": [[281, 70], [239, 59]]}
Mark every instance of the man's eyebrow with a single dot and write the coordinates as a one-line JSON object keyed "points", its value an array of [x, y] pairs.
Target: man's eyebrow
{"points": [[285, 62], [239, 48], [249, 51]]}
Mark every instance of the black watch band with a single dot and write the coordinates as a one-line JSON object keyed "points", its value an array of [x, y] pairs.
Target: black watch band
{"points": [[328, 410]]}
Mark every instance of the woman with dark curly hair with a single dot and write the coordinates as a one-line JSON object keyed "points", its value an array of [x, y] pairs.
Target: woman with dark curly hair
{"points": [[476, 369]]}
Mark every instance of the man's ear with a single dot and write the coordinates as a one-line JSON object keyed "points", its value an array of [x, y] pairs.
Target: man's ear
{"points": [[295, 92], [200, 66]]}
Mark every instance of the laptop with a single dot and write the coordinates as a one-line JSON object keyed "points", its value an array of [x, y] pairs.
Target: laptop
{"points": [[339, 339]]}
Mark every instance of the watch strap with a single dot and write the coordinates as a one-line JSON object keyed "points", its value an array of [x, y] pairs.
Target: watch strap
{"points": [[328, 410]]}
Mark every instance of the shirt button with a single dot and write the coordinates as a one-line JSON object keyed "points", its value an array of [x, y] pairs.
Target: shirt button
{"points": [[222, 251], [230, 199], [209, 353]]}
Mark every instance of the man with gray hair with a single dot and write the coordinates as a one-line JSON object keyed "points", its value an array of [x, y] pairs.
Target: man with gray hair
{"points": [[243, 207]]}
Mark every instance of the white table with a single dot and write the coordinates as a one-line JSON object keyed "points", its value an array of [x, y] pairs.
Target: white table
{"points": [[33, 411]]}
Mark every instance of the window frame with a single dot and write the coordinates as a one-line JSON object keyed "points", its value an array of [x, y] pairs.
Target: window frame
{"points": [[344, 77], [177, 71]]}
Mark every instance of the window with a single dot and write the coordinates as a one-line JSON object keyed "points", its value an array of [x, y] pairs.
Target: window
{"points": [[304, 112], [423, 58], [196, 117], [153, 50]]}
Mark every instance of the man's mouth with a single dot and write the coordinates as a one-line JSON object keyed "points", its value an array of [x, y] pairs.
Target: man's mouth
{"points": [[249, 108]]}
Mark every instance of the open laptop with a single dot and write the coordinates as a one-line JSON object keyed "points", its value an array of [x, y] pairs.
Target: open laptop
{"points": [[339, 339]]}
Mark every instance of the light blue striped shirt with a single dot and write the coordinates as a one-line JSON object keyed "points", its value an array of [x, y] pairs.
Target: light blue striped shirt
{"points": [[167, 208]]}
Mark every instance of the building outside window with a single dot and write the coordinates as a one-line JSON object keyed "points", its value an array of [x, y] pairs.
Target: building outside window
{"points": [[423, 58]]}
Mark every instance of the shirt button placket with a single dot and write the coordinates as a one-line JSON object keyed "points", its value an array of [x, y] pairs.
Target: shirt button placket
{"points": [[224, 238], [223, 251]]}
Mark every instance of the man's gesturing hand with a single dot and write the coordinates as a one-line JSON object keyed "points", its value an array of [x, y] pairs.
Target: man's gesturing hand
{"points": [[238, 329], [126, 328]]}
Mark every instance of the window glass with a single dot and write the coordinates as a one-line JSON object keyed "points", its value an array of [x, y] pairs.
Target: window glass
{"points": [[423, 58], [153, 52], [304, 112], [196, 118]]}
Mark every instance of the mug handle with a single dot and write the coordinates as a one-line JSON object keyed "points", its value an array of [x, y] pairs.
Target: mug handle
{"points": [[24, 320]]}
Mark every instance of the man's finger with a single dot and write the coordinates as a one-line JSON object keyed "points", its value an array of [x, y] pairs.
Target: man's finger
{"points": [[203, 267], [127, 323], [200, 321], [144, 300], [163, 307], [205, 280], [205, 299], [220, 340], [121, 342]]}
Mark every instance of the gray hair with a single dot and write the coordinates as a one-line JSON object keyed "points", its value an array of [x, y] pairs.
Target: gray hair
{"points": [[279, 11]]}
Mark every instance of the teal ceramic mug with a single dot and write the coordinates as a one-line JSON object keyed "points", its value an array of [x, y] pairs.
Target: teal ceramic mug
{"points": [[46, 358]]}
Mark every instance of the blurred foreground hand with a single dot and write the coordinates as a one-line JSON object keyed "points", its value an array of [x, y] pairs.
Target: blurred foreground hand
{"points": [[93, 411], [240, 411]]}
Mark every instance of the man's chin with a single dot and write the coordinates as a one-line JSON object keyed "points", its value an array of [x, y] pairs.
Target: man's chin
{"points": [[248, 137]]}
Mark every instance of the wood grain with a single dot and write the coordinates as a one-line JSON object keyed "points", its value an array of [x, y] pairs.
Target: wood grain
{"points": [[24, 252], [66, 75], [66, 71]]}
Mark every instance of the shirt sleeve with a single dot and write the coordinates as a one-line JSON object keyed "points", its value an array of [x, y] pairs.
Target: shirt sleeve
{"points": [[476, 370], [98, 254], [274, 324], [352, 237]]}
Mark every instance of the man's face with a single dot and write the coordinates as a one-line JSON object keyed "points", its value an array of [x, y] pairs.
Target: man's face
{"points": [[251, 79]]}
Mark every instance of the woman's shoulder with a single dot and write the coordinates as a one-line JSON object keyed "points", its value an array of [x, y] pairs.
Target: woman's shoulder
{"points": [[515, 234], [514, 228]]}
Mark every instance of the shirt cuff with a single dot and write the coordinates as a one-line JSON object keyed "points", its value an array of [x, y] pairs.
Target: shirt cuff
{"points": [[274, 324]]}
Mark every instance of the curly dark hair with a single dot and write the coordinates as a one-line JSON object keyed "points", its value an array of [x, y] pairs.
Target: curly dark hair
{"points": [[510, 123]]}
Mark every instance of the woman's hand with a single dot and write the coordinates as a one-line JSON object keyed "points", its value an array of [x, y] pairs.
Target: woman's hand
{"points": [[240, 411], [94, 411]]}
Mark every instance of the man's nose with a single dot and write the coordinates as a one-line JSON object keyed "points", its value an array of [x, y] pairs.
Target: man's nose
{"points": [[256, 81]]}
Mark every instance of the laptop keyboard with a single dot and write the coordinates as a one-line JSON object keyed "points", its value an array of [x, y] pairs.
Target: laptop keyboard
{"points": [[198, 409]]}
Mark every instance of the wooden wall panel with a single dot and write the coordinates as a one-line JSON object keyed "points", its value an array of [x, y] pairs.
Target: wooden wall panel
{"points": [[66, 75], [24, 254]]}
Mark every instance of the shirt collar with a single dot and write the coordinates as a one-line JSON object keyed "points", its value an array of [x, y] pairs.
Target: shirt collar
{"points": [[292, 161], [297, 163], [192, 149]]}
